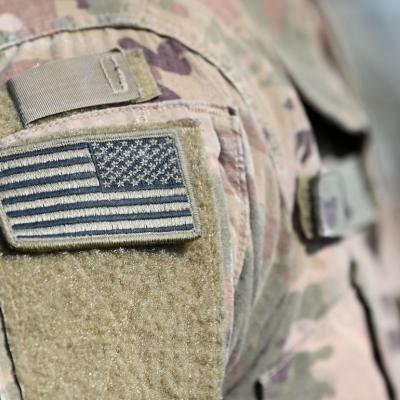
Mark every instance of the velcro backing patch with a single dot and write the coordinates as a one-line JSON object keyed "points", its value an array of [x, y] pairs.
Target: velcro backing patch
{"points": [[106, 189]]}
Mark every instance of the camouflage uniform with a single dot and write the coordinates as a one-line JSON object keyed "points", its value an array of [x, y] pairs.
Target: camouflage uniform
{"points": [[298, 324]]}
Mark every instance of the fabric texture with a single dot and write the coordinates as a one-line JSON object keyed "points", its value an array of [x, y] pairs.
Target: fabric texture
{"points": [[9, 119], [141, 323], [10, 388], [294, 323]]}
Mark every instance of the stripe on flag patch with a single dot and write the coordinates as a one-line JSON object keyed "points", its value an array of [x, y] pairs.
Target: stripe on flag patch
{"points": [[98, 190]]}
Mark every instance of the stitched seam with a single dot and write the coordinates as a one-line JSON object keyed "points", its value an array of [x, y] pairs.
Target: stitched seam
{"points": [[241, 179], [123, 85], [212, 109]]}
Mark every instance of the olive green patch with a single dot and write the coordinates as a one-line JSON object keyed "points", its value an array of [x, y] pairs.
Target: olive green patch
{"points": [[9, 119], [139, 67], [141, 323], [304, 203]]}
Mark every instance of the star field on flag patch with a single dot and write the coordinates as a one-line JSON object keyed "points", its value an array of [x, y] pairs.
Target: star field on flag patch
{"points": [[102, 190]]}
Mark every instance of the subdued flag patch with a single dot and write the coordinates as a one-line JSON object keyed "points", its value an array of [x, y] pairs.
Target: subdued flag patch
{"points": [[99, 190]]}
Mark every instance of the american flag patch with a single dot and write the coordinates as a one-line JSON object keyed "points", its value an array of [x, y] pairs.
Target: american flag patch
{"points": [[102, 190]]}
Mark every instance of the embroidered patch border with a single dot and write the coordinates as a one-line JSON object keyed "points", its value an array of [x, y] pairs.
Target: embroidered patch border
{"points": [[98, 190]]}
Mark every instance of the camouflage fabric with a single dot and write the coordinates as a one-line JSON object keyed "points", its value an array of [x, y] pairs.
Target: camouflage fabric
{"points": [[298, 324]]}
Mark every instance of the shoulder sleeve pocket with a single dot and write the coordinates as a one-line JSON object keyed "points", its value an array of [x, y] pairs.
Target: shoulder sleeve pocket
{"points": [[129, 321]]}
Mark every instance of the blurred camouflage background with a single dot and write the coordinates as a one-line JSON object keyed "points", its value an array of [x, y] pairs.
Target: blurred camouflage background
{"points": [[368, 32]]}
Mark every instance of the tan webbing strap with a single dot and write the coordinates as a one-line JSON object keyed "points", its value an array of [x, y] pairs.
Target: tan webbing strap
{"points": [[82, 82], [337, 202]]}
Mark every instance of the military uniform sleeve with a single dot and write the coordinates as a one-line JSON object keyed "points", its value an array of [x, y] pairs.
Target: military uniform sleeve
{"points": [[151, 154]]}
